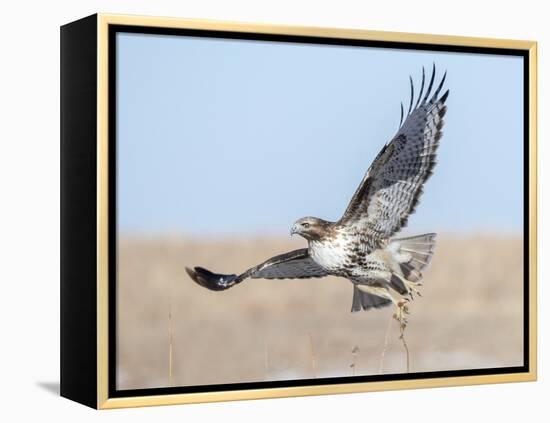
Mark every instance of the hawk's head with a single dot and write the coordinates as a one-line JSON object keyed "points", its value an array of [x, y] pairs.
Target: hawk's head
{"points": [[311, 228]]}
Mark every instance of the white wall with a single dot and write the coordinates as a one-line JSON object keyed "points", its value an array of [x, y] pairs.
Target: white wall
{"points": [[29, 235]]}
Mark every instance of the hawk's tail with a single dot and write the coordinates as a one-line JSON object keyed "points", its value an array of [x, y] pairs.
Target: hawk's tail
{"points": [[413, 254]]}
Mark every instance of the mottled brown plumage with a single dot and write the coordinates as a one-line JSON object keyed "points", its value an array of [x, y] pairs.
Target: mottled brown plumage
{"points": [[359, 246]]}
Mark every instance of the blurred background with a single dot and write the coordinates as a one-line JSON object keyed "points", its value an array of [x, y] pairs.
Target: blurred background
{"points": [[222, 144]]}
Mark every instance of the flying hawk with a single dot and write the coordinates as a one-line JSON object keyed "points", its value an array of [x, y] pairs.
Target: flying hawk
{"points": [[359, 246]]}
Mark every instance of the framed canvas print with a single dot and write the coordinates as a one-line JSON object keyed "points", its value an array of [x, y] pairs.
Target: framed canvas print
{"points": [[254, 211]]}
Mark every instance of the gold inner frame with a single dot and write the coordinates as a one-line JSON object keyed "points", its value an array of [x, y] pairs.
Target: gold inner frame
{"points": [[103, 22]]}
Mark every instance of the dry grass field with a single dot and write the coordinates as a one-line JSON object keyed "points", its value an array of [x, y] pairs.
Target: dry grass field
{"points": [[172, 332]]}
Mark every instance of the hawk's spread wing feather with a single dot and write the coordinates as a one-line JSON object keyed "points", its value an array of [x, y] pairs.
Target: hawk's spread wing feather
{"points": [[393, 184], [295, 264]]}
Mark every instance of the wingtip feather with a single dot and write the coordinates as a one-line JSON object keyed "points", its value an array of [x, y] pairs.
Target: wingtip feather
{"points": [[192, 274], [444, 97], [439, 87], [421, 88], [429, 90], [412, 95]]}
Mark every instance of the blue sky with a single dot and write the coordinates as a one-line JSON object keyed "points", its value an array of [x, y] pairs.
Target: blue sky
{"points": [[243, 137]]}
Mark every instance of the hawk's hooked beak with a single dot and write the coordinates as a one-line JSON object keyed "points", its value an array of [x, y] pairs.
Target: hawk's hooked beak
{"points": [[293, 230]]}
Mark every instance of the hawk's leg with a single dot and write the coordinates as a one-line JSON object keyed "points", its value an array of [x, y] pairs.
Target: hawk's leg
{"points": [[401, 308], [411, 288]]}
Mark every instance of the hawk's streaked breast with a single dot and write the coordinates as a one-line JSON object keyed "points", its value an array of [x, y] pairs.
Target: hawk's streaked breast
{"points": [[334, 253]]}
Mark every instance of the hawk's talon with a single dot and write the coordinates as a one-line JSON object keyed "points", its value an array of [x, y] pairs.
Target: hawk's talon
{"points": [[412, 288]]}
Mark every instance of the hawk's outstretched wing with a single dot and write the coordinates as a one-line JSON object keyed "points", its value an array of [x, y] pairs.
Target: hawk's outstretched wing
{"points": [[295, 264], [393, 184]]}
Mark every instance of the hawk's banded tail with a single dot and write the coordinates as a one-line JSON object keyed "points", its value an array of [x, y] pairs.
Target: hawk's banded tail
{"points": [[413, 254]]}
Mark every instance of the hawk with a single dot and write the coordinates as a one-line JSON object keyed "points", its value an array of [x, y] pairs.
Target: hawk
{"points": [[359, 246]]}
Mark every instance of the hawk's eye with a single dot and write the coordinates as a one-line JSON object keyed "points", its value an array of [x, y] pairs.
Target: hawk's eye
{"points": [[305, 225]]}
